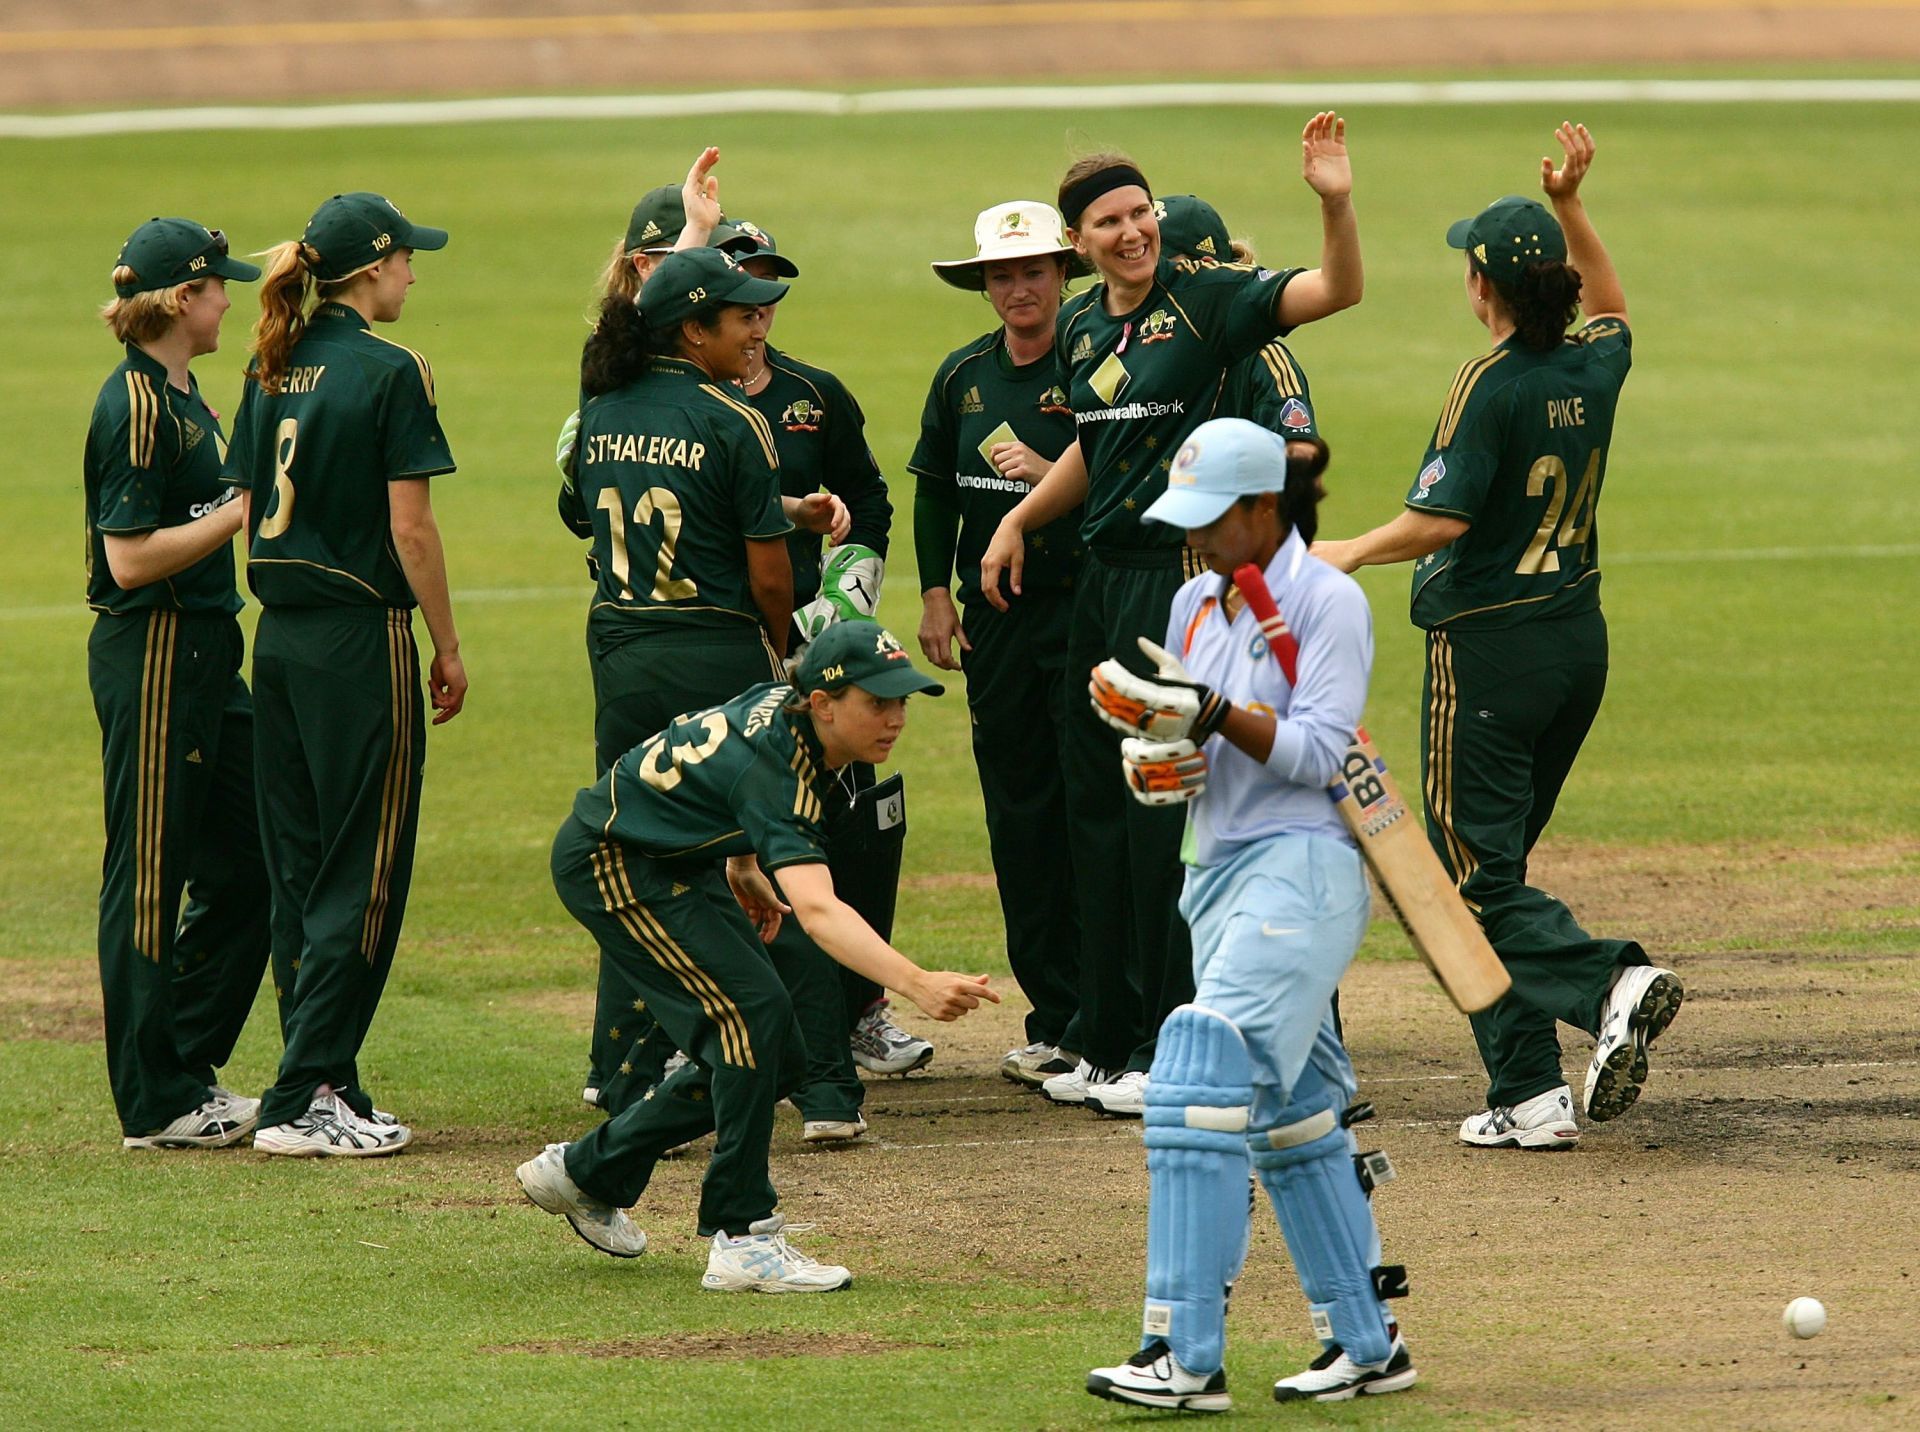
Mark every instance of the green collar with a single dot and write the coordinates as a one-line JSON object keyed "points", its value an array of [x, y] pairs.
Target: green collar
{"points": [[340, 313]]}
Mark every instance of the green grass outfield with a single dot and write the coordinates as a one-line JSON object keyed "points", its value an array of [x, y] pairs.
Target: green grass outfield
{"points": [[1762, 699]]}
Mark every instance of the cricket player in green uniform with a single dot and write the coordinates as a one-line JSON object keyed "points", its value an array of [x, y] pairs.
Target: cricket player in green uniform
{"points": [[176, 721], [996, 419], [821, 433], [1268, 388], [337, 435], [666, 861], [1501, 526], [694, 596], [1144, 356]]}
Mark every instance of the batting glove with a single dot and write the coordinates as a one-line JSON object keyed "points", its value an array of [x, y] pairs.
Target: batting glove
{"points": [[850, 578], [569, 439], [1170, 706], [1162, 773]]}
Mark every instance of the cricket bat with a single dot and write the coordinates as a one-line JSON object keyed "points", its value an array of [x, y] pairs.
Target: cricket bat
{"points": [[1438, 924]]}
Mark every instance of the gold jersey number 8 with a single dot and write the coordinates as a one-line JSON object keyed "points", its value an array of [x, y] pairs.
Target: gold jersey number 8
{"points": [[280, 517]]}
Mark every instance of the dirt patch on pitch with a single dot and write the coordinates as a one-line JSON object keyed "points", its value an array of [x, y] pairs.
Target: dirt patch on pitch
{"points": [[48, 999], [101, 50], [1772, 1155], [712, 1347]]}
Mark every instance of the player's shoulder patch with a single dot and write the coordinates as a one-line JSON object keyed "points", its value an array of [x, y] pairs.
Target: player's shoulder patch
{"points": [[1465, 384], [1430, 478], [405, 358]]}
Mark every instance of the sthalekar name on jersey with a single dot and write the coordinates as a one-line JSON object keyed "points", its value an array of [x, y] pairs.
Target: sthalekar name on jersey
{"points": [[643, 447]]}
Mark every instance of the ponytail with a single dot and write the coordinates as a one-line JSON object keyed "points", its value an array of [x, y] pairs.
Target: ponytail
{"points": [[1542, 303], [1300, 498], [622, 343], [619, 279], [283, 319], [1243, 252]]}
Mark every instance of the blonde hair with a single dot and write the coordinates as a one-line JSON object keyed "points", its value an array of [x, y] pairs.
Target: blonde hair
{"points": [[285, 289], [144, 317], [619, 279], [1243, 252]]}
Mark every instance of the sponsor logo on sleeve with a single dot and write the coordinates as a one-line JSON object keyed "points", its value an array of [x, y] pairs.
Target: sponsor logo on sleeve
{"points": [[1430, 476], [1296, 416]]}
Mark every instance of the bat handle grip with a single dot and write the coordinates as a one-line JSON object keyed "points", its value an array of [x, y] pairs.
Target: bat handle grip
{"points": [[1252, 583]]}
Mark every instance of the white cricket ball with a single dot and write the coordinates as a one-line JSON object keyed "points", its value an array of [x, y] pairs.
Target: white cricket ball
{"points": [[1804, 1317]]}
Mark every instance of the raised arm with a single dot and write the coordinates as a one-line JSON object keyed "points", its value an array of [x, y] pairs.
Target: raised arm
{"points": [[1600, 293], [1340, 280], [700, 195]]}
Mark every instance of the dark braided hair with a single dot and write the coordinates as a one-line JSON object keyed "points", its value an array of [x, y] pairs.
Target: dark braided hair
{"points": [[1299, 499], [1542, 301]]}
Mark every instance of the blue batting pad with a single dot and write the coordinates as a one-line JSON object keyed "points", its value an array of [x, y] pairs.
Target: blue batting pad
{"points": [[1198, 1094], [1305, 1161]]}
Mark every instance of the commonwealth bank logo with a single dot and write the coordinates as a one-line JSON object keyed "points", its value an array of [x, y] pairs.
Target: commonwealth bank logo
{"points": [[1110, 379]]}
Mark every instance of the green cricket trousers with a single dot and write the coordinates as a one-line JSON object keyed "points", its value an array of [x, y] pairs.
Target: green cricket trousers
{"points": [[1506, 711], [677, 931], [1020, 698], [339, 750], [176, 751], [645, 673], [1136, 957]]}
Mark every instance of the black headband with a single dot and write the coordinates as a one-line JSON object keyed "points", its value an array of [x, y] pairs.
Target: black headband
{"points": [[1074, 201]]}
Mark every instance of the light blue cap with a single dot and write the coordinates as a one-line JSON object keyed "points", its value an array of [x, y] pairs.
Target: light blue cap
{"points": [[1224, 459]]}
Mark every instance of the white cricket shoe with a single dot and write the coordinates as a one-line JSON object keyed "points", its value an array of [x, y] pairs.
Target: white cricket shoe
{"points": [[764, 1262], [1543, 1122], [1071, 1087], [1335, 1377], [543, 1178], [1122, 1097], [1641, 1002], [882, 1047], [831, 1131], [223, 1119], [1033, 1064], [329, 1129], [1153, 1377]]}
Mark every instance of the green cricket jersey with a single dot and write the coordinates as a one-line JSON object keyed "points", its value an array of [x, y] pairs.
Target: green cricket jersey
{"points": [[745, 777], [1140, 382], [822, 438], [981, 397], [1270, 389], [678, 473], [153, 460], [356, 412], [1520, 451]]}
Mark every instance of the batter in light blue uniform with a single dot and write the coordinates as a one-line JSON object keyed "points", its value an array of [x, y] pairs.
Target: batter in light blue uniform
{"points": [[1253, 1071]]}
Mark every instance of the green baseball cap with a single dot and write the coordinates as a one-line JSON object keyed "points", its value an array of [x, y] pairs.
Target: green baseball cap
{"points": [[1508, 235], [745, 239], [1191, 226], [859, 652], [354, 230], [690, 279], [165, 252], [657, 219]]}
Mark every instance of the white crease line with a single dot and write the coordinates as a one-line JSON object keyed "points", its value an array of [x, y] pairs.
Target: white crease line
{"points": [[956, 100]]}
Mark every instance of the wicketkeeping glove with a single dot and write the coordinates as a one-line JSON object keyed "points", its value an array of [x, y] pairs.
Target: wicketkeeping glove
{"points": [[563, 449], [1169, 707], [1163, 772], [850, 578]]}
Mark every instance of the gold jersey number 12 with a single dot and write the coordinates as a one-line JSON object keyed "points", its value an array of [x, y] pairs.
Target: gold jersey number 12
{"points": [[661, 500]]}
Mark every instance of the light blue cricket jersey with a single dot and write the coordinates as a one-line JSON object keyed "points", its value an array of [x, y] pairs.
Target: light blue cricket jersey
{"points": [[1246, 800]]}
